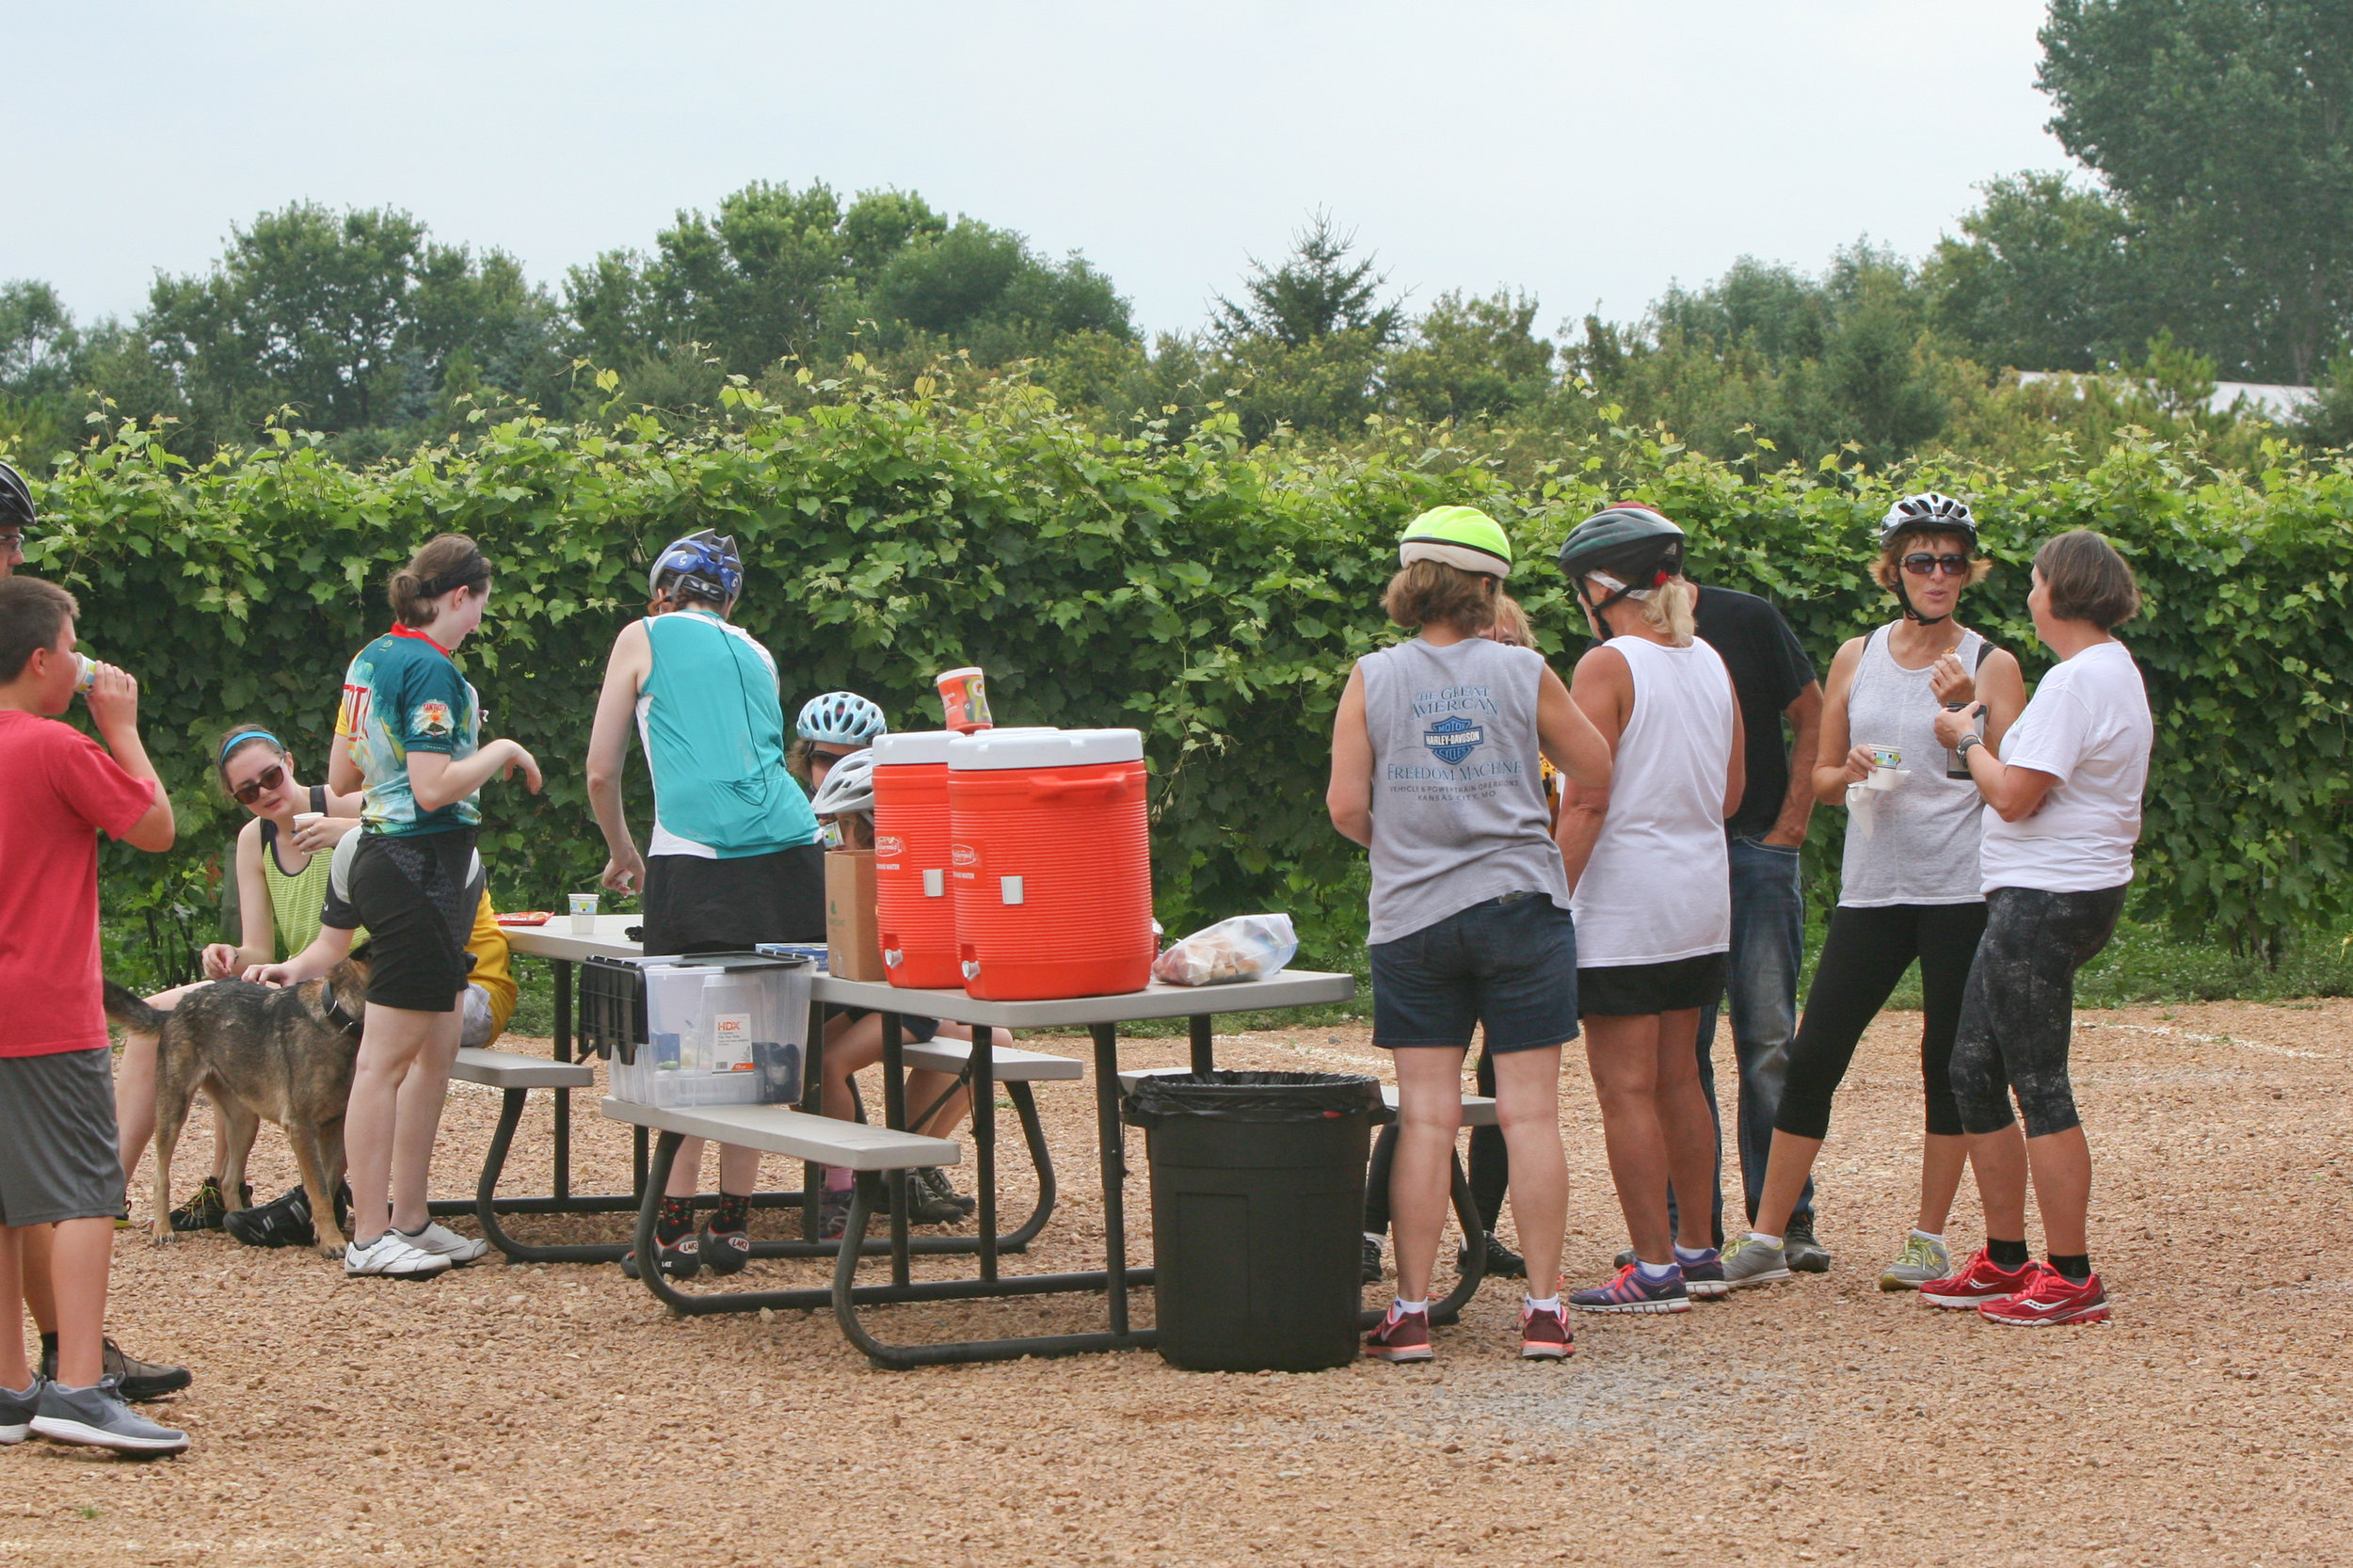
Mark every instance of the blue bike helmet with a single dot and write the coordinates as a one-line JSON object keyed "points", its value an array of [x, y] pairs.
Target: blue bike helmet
{"points": [[700, 566], [841, 719]]}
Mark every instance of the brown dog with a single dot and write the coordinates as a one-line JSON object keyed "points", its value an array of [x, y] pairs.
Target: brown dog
{"points": [[258, 1052]]}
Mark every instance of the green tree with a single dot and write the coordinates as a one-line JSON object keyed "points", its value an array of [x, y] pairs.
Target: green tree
{"points": [[2225, 127], [1304, 344], [1471, 357]]}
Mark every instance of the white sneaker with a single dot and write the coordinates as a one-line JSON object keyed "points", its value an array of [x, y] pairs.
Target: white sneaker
{"points": [[441, 1241], [393, 1256]]}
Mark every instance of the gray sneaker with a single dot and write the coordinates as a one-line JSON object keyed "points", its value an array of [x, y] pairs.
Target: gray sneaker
{"points": [[16, 1412], [441, 1241], [1921, 1261], [1806, 1255], [1749, 1261], [97, 1416]]}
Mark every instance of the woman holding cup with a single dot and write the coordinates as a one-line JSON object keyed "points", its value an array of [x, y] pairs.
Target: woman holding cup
{"points": [[280, 869], [1909, 890]]}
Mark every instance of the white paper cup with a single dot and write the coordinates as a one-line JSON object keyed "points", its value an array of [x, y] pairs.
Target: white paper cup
{"points": [[584, 908], [1883, 778], [304, 819]]}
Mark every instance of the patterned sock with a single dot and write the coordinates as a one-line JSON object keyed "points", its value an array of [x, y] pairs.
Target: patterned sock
{"points": [[675, 1219], [733, 1212], [2012, 1255]]}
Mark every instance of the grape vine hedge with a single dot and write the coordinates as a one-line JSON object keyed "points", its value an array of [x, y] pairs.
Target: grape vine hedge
{"points": [[1210, 593]]}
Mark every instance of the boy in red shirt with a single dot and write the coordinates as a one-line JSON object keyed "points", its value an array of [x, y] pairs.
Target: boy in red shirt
{"points": [[59, 1169]]}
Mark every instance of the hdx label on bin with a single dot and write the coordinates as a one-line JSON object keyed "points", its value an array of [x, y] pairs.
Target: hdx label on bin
{"points": [[732, 1042]]}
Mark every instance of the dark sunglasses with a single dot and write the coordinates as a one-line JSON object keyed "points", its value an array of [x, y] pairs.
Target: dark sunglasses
{"points": [[259, 785], [1923, 564]]}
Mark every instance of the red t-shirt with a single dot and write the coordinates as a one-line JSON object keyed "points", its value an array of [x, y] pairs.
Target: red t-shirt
{"points": [[58, 790]]}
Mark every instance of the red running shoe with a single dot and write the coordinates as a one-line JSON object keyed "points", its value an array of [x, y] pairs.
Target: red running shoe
{"points": [[1401, 1336], [1544, 1334], [1979, 1281], [2049, 1299]]}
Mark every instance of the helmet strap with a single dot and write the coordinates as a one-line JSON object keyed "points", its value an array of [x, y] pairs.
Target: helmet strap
{"points": [[1905, 599]]}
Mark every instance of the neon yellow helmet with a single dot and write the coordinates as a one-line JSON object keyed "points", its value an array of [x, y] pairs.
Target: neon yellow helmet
{"points": [[1460, 537]]}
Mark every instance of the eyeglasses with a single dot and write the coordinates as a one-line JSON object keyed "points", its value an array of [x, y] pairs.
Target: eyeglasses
{"points": [[1923, 564], [259, 785]]}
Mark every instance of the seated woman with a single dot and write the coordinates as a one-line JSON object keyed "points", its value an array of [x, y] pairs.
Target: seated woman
{"points": [[281, 883], [937, 1101]]}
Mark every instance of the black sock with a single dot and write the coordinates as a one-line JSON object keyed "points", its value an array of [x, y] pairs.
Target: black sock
{"points": [[675, 1218], [733, 1212], [2074, 1267], [2007, 1254]]}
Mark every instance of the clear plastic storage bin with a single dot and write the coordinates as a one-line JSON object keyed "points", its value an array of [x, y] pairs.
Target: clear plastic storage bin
{"points": [[719, 1034]]}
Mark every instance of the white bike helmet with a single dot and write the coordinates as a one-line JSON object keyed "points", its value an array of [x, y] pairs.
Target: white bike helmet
{"points": [[840, 719], [849, 786], [1929, 509]]}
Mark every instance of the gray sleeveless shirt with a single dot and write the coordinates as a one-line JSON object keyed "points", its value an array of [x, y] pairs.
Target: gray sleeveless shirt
{"points": [[1923, 845], [1458, 800]]}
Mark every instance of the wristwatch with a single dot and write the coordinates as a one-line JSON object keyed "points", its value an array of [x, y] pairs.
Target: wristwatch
{"points": [[1967, 741]]}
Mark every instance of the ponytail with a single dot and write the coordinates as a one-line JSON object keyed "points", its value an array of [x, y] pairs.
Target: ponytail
{"points": [[447, 561]]}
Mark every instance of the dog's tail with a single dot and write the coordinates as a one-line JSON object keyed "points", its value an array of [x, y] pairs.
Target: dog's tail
{"points": [[130, 1014]]}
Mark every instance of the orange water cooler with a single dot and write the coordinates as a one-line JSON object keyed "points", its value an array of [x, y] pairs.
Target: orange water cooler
{"points": [[1052, 863], [914, 899]]}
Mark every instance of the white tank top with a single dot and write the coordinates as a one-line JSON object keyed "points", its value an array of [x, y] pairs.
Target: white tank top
{"points": [[1658, 886], [1922, 847]]}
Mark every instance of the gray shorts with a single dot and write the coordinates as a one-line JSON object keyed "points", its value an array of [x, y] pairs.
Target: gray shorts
{"points": [[58, 1159]]}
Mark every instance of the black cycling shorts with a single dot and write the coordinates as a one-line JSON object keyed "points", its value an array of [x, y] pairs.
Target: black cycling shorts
{"points": [[417, 894]]}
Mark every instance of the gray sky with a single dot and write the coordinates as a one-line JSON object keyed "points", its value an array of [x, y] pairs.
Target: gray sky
{"points": [[1587, 153]]}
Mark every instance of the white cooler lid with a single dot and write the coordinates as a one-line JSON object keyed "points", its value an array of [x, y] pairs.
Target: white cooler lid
{"points": [[1044, 749], [918, 745]]}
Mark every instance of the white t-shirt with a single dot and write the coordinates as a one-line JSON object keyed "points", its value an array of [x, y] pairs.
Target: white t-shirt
{"points": [[2089, 727]]}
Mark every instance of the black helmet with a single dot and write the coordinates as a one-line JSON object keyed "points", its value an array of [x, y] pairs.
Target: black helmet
{"points": [[1637, 545], [1928, 511], [16, 502]]}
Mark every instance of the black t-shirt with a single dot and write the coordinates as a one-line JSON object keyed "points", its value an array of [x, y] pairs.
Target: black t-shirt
{"points": [[1769, 669]]}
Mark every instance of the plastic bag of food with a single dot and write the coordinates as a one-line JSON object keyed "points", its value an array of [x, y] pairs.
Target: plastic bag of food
{"points": [[1248, 947]]}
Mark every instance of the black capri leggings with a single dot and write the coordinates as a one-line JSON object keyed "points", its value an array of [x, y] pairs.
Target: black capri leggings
{"points": [[1865, 954], [2019, 1013], [1489, 1166]]}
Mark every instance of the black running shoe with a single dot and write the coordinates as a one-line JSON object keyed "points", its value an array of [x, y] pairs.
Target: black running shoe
{"points": [[679, 1260], [724, 1252], [285, 1220], [1803, 1253], [833, 1214], [924, 1207], [1502, 1262], [135, 1379], [936, 1182], [1373, 1261], [205, 1209]]}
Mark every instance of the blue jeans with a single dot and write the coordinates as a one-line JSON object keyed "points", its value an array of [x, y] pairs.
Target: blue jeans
{"points": [[1767, 950]]}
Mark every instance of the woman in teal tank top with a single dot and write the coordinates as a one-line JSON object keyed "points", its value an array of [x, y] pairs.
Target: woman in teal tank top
{"points": [[733, 858], [282, 886]]}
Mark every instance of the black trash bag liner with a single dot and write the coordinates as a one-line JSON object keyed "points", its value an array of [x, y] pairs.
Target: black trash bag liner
{"points": [[1234, 1096]]}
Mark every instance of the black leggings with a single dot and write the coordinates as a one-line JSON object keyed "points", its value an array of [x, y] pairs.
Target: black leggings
{"points": [[1865, 954], [1489, 1166], [2019, 1015]]}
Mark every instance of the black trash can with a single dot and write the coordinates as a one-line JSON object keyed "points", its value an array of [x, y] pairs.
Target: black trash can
{"points": [[1257, 1210]]}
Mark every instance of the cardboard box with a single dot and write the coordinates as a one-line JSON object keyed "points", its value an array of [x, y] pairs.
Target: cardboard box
{"points": [[853, 930]]}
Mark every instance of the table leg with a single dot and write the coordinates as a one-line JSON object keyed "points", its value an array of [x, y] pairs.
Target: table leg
{"points": [[983, 1060], [813, 1102], [1112, 1134], [895, 1117], [564, 1096], [1204, 1044]]}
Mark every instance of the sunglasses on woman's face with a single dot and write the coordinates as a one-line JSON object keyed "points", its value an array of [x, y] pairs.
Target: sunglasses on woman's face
{"points": [[260, 784], [1922, 564]]}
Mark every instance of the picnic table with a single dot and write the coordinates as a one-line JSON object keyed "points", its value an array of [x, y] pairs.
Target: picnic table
{"points": [[885, 1154]]}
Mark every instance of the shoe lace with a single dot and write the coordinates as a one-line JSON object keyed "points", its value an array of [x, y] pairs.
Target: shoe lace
{"points": [[1918, 1254]]}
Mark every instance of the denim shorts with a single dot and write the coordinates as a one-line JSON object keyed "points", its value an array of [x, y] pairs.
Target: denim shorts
{"points": [[1509, 964]]}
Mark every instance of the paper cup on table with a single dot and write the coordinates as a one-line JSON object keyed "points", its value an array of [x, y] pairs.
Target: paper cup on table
{"points": [[584, 914], [964, 699]]}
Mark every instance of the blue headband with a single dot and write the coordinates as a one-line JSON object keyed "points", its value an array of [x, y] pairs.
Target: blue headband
{"points": [[240, 738]]}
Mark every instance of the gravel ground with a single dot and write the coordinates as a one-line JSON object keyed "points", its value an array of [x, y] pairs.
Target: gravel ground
{"points": [[557, 1415]]}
